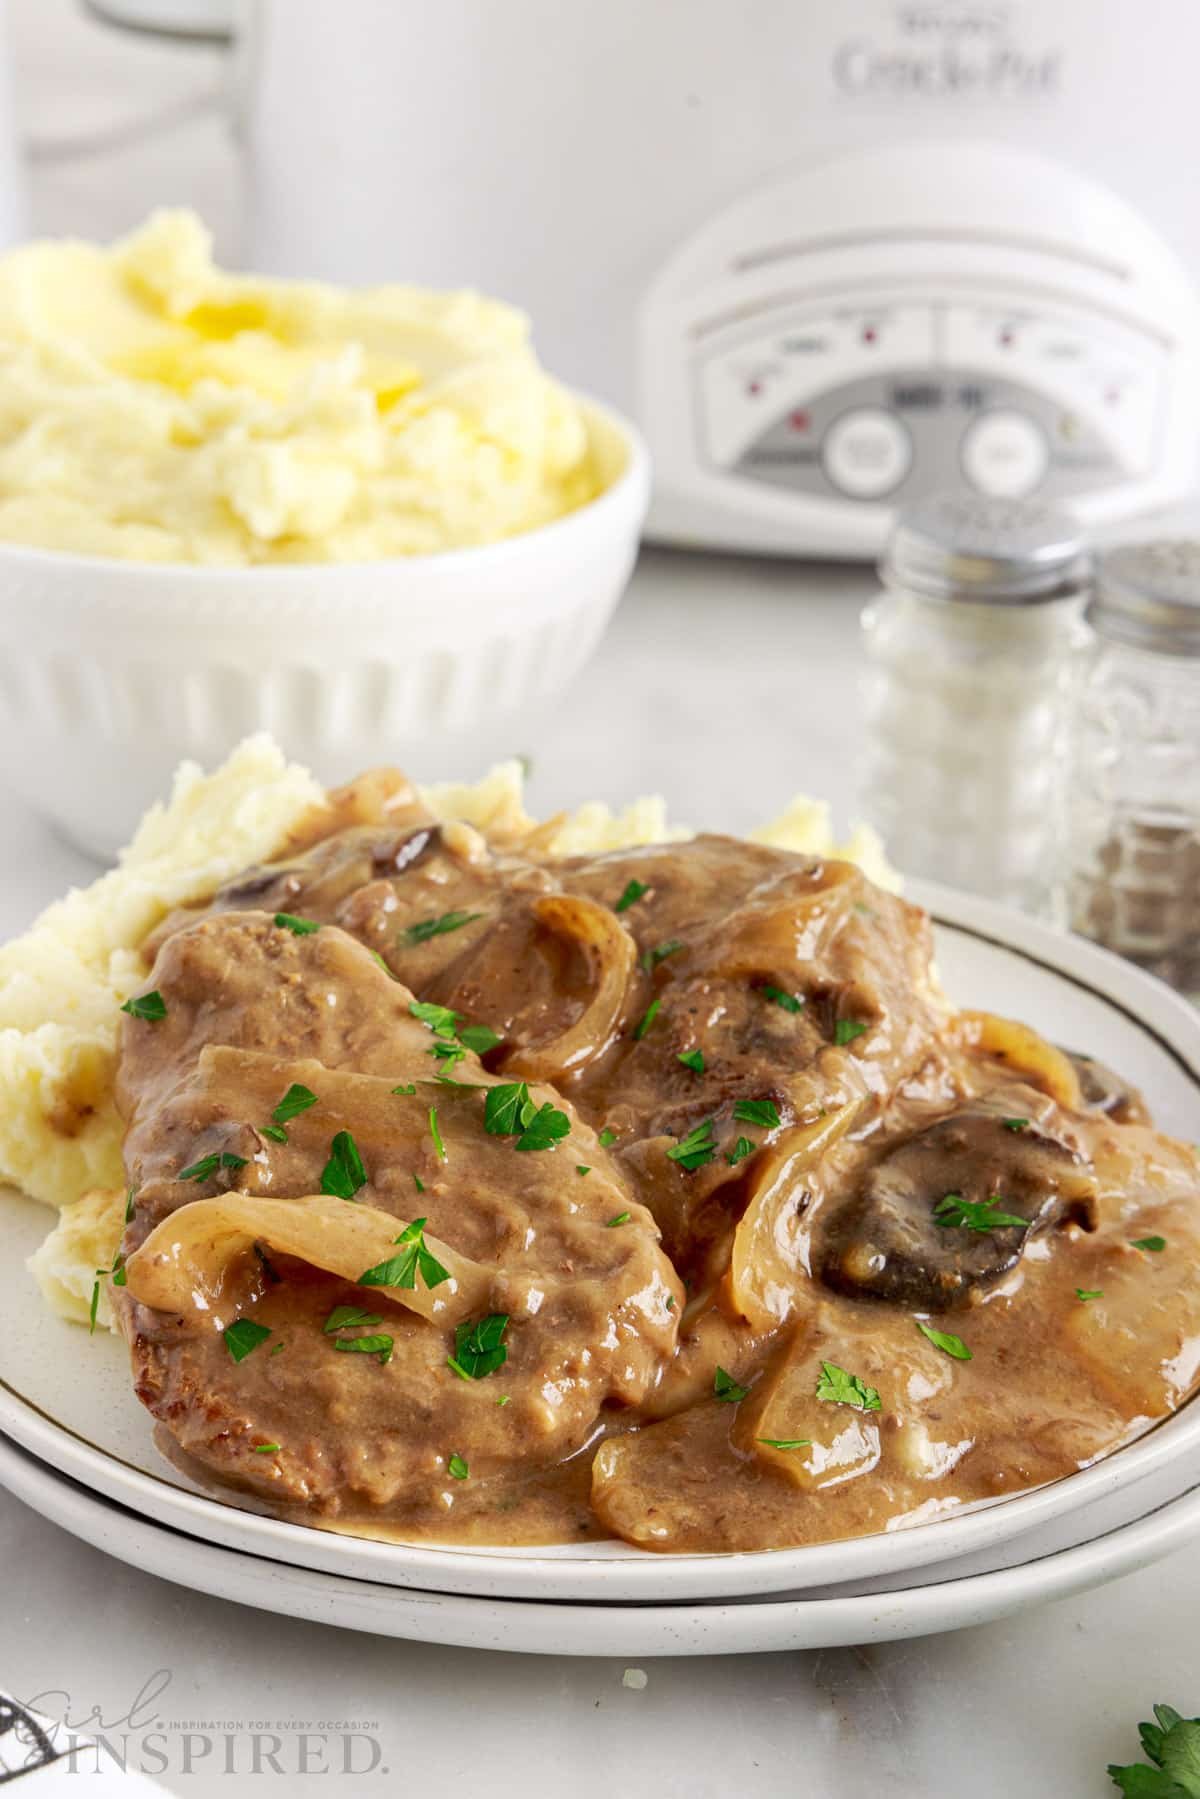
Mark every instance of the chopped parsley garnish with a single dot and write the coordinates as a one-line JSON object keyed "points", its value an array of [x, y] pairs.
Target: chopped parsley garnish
{"points": [[344, 1173], [786, 1442], [841, 1388], [582, 1168], [652, 957], [207, 1166], [376, 957], [1172, 1745], [547, 1127], [606, 1138], [401, 1271], [265, 1448], [670, 1302], [299, 927], [116, 1274], [479, 1347], [426, 928], [244, 1336], [130, 1199], [405, 1087], [955, 1212], [441, 1020], [448, 1052], [847, 1029], [621, 1218], [509, 1111], [791, 1002], [418, 1183], [758, 1111], [439, 1148], [1086, 1293], [646, 1020], [693, 1059], [741, 1149], [150, 1006], [697, 1148], [632, 894], [480, 1038], [1015, 1124], [726, 1388], [278, 1349], [1154, 1244], [457, 1468], [945, 1340], [342, 1317], [297, 1099], [380, 1346], [275, 1132]]}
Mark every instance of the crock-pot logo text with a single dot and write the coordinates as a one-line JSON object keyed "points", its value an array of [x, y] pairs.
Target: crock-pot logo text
{"points": [[947, 52]]}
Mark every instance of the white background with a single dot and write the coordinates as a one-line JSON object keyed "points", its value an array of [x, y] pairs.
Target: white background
{"points": [[725, 685]]}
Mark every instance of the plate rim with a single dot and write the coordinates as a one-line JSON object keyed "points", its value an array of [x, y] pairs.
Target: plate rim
{"points": [[642, 1575], [548, 1627]]}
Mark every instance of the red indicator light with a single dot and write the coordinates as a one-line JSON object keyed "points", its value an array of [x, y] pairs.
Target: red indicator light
{"points": [[870, 335], [799, 421]]}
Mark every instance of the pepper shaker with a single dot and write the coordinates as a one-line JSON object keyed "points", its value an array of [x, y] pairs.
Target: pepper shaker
{"points": [[1134, 881], [976, 649]]}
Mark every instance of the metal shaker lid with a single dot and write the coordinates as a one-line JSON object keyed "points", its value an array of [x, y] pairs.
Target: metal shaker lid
{"points": [[966, 547], [1148, 595]]}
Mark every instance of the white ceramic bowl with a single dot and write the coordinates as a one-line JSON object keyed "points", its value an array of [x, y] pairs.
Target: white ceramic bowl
{"points": [[111, 672]]}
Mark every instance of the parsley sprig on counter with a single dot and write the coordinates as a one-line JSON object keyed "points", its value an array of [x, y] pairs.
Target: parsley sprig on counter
{"points": [[1172, 1746]]}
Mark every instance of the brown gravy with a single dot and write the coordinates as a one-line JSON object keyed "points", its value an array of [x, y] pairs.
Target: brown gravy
{"points": [[787, 1249]]}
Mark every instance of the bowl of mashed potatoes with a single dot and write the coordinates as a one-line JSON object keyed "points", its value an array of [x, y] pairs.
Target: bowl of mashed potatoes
{"points": [[367, 520]]}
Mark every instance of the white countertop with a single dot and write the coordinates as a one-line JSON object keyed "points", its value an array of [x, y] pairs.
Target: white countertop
{"points": [[735, 687], [725, 709]]}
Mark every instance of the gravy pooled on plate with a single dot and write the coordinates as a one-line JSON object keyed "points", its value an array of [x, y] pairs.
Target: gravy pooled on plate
{"points": [[499, 1197]]}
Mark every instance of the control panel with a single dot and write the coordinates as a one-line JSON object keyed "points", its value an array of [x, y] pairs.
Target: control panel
{"points": [[884, 402], [892, 321]]}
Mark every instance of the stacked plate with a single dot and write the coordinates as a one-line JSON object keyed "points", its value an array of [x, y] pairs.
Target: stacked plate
{"points": [[77, 1446]]}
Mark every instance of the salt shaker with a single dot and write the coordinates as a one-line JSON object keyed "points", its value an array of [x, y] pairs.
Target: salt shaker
{"points": [[1135, 840], [976, 648]]}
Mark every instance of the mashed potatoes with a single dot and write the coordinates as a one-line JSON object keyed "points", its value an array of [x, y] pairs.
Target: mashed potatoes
{"points": [[63, 982], [154, 407]]}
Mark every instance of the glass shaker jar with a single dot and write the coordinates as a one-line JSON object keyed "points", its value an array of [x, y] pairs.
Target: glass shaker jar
{"points": [[1135, 840], [976, 649]]}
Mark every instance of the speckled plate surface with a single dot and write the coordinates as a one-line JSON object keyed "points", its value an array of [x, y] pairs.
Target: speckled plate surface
{"points": [[66, 1399]]}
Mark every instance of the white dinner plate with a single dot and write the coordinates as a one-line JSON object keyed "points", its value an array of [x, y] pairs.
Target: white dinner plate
{"points": [[1127, 1531], [67, 1399]]}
